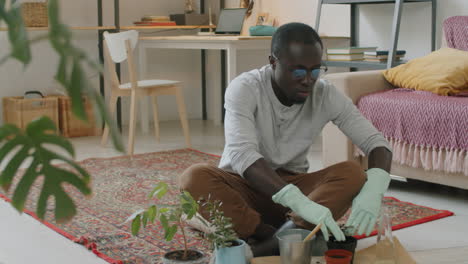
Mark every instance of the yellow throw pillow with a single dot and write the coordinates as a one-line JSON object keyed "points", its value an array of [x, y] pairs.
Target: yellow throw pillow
{"points": [[444, 72]]}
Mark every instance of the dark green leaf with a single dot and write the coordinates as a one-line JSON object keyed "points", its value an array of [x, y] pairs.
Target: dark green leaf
{"points": [[65, 209], [42, 205], [130, 218], [40, 126], [16, 33], [160, 190], [136, 223], [145, 218], [85, 177], [22, 190], [12, 167], [164, 221], [53, 11], [39, 133], [7, 148], [56, 140], [61, 75], [191, 213], [170, 232], [186, 197], [187, 208], [8, 130], [71, 178], [174, 217], [152, 213], [78, 82], [163, 210]]}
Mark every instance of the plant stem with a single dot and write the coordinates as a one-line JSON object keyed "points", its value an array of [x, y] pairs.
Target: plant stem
{"points": [[181, 225]]}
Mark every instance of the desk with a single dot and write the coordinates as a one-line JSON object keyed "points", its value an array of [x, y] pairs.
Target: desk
{"points": [[229, 44]]}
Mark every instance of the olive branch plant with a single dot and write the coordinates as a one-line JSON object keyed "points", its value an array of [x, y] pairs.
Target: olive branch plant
{"points": [[31, 145], [171, 218]]}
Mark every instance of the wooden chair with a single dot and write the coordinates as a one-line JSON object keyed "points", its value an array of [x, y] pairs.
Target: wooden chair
{"points": [[119, 47]]}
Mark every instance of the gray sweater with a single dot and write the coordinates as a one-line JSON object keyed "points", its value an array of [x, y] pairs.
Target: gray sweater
{"points": [[258, 126]]}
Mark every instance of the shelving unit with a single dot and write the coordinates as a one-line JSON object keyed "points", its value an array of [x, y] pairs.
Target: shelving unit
{"points": [[100, 28], [122, 28], [117, 28], [361, 64], [395, 30], [73, 28]]}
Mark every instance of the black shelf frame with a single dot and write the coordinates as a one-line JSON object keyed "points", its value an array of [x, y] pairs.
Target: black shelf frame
{"points": [[100, 15], [354, 32]]}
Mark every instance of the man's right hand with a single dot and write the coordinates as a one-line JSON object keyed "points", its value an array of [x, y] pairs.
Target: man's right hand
{"points": [[290, 196]]}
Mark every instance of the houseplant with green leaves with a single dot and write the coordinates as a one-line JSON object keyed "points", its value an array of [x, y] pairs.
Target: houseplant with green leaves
{"points": [[228, 248], [171, 219], [29, 148]]}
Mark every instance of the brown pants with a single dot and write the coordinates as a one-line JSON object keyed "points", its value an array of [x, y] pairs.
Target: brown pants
{"points": [[333, 187]]}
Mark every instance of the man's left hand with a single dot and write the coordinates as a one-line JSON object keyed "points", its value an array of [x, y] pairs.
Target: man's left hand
{"points": [[366, 205]]}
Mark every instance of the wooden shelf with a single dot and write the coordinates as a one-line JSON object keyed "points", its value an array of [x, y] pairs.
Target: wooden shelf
{"points": [[166, 27], [370, 1], [73, 28], [122, 28], [361, 64], [395, 29]]}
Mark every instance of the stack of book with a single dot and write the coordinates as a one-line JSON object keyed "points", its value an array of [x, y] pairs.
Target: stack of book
{"points": [[382, 55], [348, 53], [155, 21]]}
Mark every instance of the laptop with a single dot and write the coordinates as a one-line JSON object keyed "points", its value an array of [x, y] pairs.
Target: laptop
{"points": [[230, 21]]}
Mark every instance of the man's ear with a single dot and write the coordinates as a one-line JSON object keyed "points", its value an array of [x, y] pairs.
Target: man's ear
{"points": [[272, 62]]}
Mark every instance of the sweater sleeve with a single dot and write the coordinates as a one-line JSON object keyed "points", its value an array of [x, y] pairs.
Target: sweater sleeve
{"points": [[344, 114], [241, 147]]}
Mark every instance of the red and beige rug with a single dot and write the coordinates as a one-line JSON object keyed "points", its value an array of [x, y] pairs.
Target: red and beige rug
{"points": [[121, 186]]}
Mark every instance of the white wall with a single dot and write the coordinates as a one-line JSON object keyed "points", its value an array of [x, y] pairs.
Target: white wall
{"points": [[184, 64], [375, 21], [415, 32], [334, 20], [39, 74]]}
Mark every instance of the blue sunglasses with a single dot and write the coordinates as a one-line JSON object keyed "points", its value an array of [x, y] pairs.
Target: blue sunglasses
{"points": [[299, 74]]}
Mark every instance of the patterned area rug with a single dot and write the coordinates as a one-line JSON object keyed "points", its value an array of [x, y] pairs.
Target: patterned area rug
{"points": [[121, 186]]}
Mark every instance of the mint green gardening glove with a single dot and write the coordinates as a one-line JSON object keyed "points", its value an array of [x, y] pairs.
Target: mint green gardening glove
{"points": [[366, 205], [290, 196]]}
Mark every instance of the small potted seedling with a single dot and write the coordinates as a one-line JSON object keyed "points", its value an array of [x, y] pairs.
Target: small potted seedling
{"points": [[171, 219], [228, 248], [349, 244]]}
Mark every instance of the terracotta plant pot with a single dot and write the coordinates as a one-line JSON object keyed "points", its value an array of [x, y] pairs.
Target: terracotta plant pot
{"points": [[175, 257], [338, 256], [349, 244]]}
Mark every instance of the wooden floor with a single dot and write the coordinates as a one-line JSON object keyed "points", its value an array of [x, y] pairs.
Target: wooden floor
{"points": [[25, 240], [457, 255], [454, 255]]}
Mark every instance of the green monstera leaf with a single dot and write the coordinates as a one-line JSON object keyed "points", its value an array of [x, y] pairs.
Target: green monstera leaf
{"points": [[29, 147], [16, 32], [70, 71], [32, 146]]}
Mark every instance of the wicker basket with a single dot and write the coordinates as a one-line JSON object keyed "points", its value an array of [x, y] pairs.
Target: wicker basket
{"points": [[35, 14], [71, 126], [20, 112]]}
